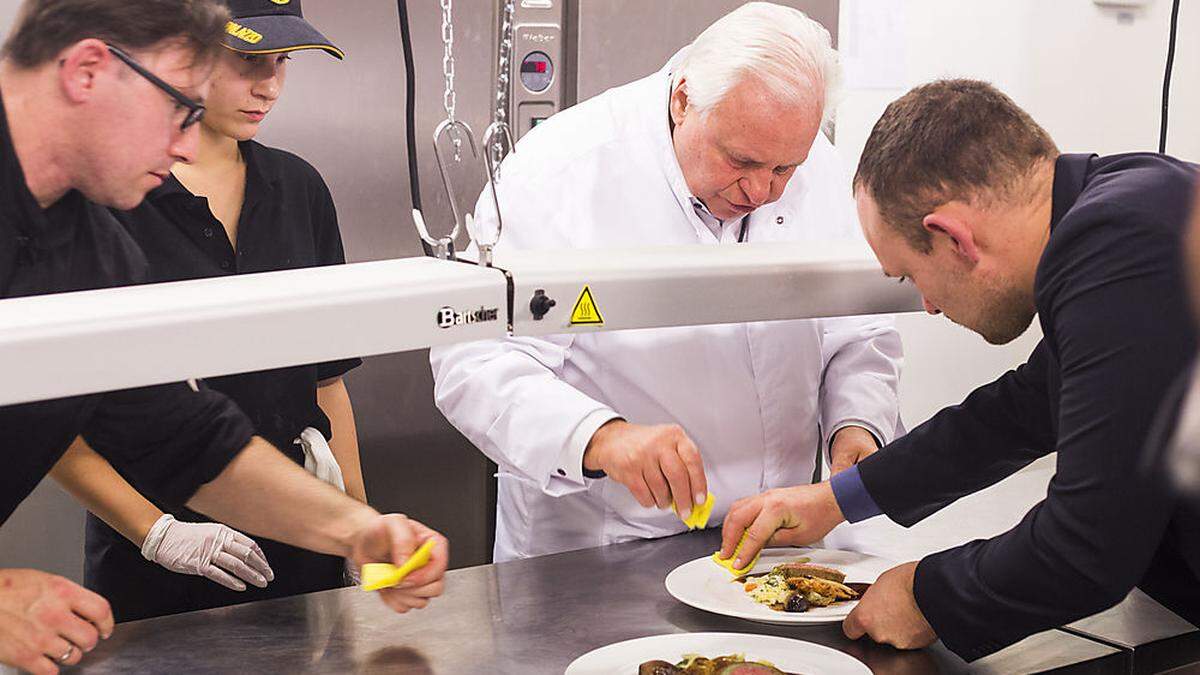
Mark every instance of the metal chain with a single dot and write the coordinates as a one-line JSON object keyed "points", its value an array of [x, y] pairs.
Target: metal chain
{"points": [[449, 99], [504, 70], [497, 149]]}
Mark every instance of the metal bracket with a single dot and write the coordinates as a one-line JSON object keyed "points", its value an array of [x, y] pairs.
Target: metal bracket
{"points": [[498, 143], [455, 131]]}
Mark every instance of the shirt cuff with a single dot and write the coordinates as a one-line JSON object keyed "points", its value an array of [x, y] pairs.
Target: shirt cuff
{"points": [[852, 496], [880, 439], [570, 461]]}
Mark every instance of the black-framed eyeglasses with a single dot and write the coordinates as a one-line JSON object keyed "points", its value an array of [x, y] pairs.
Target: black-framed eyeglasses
{"points": [[195, 108]]}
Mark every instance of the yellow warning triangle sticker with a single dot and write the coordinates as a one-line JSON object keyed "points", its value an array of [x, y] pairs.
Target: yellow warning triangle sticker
{"points": [[586, 313]]}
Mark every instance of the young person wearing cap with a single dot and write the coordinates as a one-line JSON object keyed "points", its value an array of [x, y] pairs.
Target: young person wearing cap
{"points": [[239, 207], [100, 98]]}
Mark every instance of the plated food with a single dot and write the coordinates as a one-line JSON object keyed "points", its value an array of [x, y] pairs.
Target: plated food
{"points": [[799, 585], [716, 654], [694, 664], [704, 585]]}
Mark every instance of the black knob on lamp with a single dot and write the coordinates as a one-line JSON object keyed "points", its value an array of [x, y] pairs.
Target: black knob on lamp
{"points": [[541, 304]]}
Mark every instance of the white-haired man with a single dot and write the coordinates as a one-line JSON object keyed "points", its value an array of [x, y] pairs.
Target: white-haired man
{"points": [[592, 432]]}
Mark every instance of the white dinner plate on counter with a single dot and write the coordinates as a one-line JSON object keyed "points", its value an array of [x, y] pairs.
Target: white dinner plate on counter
{"points": [[786, 654], [705, 585]]}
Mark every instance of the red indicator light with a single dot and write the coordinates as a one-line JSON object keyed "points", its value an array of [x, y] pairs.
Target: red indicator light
{"points": [[534, 67]]}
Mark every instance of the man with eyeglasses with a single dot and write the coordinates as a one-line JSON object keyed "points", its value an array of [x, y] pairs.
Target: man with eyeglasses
{"points": [[195, 109], [98, 99]]}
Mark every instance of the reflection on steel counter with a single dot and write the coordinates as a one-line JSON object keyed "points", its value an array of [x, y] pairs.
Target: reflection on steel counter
{"points": [[527, 616]]}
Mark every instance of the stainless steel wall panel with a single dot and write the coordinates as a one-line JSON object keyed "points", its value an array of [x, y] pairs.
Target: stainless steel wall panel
{"points": [[619, 41]]}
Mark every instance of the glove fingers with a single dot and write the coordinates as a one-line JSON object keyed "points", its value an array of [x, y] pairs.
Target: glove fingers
{"points": [[247, 551], [214, 574], [239, 569]]}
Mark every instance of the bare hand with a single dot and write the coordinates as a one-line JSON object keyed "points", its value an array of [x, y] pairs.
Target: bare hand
{"points": [[850, 446], [889, 614], [659, 464], [393, 538], [44, 618], [782, 517]]}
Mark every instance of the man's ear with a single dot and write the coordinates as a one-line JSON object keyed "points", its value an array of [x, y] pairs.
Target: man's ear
{"points": [[78, 67], [960, 234], [679, 102]]}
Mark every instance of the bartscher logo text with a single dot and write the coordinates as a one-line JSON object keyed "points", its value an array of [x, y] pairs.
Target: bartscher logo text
{"points": [[448, 318]]}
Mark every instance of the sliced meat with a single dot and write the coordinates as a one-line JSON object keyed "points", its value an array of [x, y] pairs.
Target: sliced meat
{"points": [[810, 570]]}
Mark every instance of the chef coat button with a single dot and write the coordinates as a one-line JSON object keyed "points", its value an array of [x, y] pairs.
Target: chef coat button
{"points": [[208, 233], [778, 220], [562, 472]]}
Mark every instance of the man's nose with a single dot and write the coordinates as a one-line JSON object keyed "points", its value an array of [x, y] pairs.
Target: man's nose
{"points": [[185, 145], [757, 186], [929, 306]]}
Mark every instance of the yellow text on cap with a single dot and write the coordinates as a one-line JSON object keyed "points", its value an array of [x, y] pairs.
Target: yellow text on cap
{"points": [[243, 33]]}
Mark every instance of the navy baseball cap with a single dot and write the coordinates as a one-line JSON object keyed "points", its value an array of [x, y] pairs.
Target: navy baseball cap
{"points": [[272, 27]]}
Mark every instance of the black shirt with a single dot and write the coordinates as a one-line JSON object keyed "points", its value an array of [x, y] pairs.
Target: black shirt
{"points": [[168, 440], [287, 221], [1112, 304]]}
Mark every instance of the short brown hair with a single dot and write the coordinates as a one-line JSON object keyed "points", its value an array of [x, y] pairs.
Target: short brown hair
{"points": [[46, 27], [943, 141]]}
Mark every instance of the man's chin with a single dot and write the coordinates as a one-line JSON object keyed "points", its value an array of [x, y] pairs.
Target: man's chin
{"points": [[122, 202], [1002, 334], [732, 213]]}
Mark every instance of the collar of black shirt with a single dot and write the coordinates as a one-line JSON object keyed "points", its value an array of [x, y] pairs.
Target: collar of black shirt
{"points": [[259, 181], [33, 227], [1070, 176]]}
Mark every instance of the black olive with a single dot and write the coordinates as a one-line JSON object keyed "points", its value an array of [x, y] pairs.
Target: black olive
{"points": [[795, 603]]}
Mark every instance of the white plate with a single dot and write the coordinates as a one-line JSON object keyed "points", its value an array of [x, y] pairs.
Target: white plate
{"points": [[705, 585], [791, 656]]}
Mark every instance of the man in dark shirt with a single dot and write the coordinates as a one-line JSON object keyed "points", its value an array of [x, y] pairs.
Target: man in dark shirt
{"points": [[99, 99], [962, 193]]}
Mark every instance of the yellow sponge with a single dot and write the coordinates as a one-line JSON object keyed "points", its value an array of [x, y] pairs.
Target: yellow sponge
{"points": [[728, 564], [383, 575], [698, 518]]}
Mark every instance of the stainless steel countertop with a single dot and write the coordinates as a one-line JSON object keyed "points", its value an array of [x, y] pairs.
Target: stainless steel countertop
{"points": [[528, 616], [1158, 638]]}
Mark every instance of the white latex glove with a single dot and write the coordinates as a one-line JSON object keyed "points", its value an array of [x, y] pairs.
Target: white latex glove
{"points": [[210, 550]]}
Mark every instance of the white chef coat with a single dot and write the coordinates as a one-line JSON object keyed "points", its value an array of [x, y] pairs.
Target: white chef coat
{"points": [[758, 399]]}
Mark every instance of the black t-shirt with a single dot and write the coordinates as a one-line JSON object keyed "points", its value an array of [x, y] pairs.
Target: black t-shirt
{"points": [[167, 440], [1113, 308], [287, 221]]}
